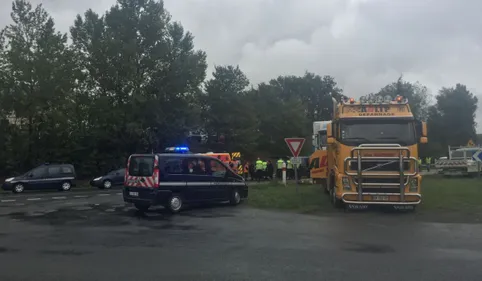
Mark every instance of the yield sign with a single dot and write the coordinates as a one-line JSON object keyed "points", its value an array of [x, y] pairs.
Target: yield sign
{"points": [[295, 145]]}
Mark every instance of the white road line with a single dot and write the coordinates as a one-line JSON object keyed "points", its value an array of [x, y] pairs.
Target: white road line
{"points": [[33, 199], [9, 200], [104, 194], [60, 197], [81, 196]]}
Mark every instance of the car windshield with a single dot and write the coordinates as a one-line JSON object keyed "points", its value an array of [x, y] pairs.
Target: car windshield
{"points": [[354, 132]]}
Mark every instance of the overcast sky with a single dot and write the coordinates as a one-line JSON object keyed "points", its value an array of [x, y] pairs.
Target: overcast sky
{"points": [[364, 44]]}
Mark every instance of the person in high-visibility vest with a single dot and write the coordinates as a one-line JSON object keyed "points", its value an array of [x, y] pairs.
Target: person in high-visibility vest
{"points": [[259, 169], [265, 166], [290, 172], [419, 164], [279, 168], [428, 161]]}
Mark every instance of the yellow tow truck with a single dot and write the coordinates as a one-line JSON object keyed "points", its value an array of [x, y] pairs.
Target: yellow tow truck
{"points": [[372, 152]]}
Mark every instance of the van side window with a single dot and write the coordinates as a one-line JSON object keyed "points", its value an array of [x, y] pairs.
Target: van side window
{"points": [[217, 169], [193, 166], [173, 166], [53, 171], [66, 170], [38, 172]]}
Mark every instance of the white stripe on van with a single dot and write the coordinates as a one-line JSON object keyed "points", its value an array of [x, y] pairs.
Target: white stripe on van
{"points": [[207, 183]]}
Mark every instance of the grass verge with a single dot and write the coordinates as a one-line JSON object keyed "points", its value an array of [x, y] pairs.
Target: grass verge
{"points": [[439, 194]]}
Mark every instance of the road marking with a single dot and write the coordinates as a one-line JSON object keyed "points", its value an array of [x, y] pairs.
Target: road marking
{"points": [[81, 196], [9, 200], [104, 194], [34, 199], [60, 197], [120, 193]]}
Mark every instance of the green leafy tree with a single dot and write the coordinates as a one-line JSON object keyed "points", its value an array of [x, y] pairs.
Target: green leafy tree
{"points": [[418, 96], [228, 109], [143, 77], [36, 66], [452, 119]]}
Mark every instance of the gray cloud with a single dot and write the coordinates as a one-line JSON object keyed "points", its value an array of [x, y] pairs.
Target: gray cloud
{"points": [[365, 44]]}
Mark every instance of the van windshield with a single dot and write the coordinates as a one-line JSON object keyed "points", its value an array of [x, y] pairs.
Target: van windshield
{"points": [[141, 166]]}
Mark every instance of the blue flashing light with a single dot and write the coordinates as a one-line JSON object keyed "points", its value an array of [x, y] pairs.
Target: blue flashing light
{"points": [[181, 148]]}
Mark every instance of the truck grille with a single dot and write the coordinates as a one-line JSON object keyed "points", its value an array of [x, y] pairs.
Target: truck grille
{"points": [[385, 168], [379, 180], [381, 190]]}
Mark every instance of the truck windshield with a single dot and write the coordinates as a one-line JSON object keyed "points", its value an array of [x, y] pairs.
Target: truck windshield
{"points": [[355, 132]]}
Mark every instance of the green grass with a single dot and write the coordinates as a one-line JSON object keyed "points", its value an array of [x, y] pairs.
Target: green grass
{"points": [[309, 198], [451, 194], [438, 194]]}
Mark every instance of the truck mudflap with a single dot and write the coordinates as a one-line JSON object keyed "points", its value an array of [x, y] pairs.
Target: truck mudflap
{"points": [[398, 171]]}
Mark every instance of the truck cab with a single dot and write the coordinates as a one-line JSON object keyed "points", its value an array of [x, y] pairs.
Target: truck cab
{"points": [[372, 153]]}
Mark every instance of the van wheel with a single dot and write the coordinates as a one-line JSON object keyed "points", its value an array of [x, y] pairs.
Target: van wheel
{"points": [[107, 184], [175, 204], [235, 197], [142, 207], [18, 188], [66, 186]]}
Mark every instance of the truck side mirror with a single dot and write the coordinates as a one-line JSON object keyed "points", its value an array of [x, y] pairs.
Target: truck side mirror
{"points": [[329, 134]]}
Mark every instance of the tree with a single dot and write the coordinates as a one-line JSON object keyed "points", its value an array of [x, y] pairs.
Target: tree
{"points": [[418, 96], [452, 119], [227, 108], [143, 77], [37, 80]]}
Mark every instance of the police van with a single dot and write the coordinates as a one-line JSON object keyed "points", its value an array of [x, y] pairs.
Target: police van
{"points": [[173, 180]]}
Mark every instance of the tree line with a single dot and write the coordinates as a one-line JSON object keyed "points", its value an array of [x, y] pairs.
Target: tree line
{"points": [[131, 80]]}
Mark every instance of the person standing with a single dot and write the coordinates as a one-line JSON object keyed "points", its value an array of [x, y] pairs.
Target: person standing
{"points": [[279, 168], [259, 169], [269, 169]]}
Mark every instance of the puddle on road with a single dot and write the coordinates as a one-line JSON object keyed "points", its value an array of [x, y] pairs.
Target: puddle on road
{"points": [[64, 252], [102, 215], [369, 248]]}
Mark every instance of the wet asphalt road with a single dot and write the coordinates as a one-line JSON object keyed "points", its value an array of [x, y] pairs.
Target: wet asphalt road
{"points": [[96, 237]]}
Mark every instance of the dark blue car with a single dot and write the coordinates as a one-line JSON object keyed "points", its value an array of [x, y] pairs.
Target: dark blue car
{"points": [[113, 178]]}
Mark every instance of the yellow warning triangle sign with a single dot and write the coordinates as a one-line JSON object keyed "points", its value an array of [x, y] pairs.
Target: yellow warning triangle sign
{"points": [[470, 143]]}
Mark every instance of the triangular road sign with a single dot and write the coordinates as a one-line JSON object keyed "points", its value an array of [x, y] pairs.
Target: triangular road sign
{"points": [[295, 145]]}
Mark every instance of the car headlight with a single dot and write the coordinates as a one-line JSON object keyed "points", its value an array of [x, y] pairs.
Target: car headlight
{"points": [[346, 183], [96, 179], [413, 184], [9, 180]]}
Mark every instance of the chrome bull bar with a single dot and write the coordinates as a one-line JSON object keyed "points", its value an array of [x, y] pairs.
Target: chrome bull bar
{"points": [[381, 202], [402, 158]]}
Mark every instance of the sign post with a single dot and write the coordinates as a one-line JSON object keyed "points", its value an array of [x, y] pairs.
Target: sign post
{"points": [[295, 145]]}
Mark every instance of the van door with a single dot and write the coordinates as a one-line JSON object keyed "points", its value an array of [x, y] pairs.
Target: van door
{"points": [[219, 186], [142, 171]]}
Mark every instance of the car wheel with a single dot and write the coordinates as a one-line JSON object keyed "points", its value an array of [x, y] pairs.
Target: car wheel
{"points": [[235, 197], [107, 184], [142, 207], [175, 204], [66, 186], [18, 188]]}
